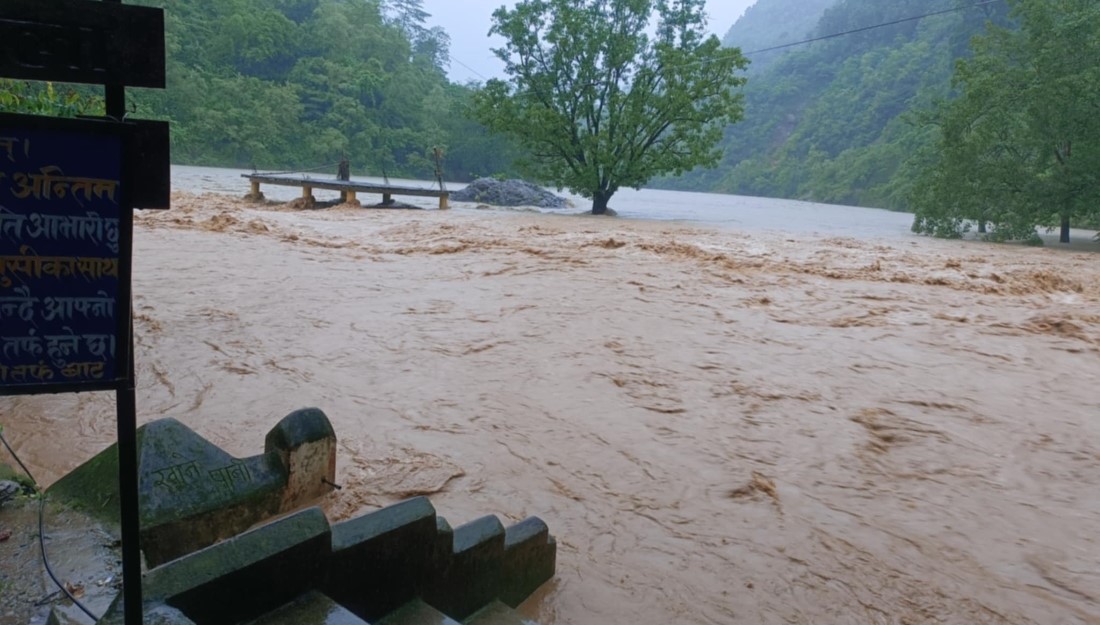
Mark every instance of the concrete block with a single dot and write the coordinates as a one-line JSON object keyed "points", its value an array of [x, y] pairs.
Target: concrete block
{"points": [[473, 576], [530, 555], [191, 493], [444, 545], [248, 575], [312, 608], [417, 612], [496, 613], [381, 560], [152, 614], [306, 443], [165, 615]]}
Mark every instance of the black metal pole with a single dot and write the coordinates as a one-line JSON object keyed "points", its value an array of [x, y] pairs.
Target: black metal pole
{"points": [[115, 97], [125, 397], [126, 404]]}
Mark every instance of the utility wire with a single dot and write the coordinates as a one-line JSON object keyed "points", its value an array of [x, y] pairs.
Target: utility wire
{"points": [[12, 452], [831, 36], [874, 26], [42, 533], [479, 74]]}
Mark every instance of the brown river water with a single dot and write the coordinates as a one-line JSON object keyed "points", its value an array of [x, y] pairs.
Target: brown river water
{"points": [[719, 426]]}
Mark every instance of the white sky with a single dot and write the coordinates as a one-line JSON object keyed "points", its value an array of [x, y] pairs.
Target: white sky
{"points": [[468, 22]]}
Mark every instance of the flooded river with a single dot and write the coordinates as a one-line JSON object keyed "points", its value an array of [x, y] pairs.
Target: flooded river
{"points": [[740, 416]]}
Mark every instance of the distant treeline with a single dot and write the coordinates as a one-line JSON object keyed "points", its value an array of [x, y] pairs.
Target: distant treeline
{"points": [[280, 84], [834, 121]]}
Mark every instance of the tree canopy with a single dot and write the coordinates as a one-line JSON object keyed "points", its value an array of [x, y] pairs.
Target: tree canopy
{"points": [[281, 84], [1020, 145], [47, 98], [831, 121], [600, 104]]}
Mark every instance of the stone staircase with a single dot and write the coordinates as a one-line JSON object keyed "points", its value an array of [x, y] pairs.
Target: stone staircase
{"points": [[401, 565], [317, 608]]}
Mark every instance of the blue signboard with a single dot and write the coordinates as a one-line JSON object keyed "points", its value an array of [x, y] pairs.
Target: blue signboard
{"points": [[62, 272]]}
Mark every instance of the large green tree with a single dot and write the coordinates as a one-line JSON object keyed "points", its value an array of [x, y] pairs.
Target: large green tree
{"points": [[599, 103], [830, 121], [283, 84], [1020, 145]]}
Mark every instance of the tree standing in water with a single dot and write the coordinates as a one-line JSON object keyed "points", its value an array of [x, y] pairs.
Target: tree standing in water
{"points": [[599, 103], [1018, 147]]}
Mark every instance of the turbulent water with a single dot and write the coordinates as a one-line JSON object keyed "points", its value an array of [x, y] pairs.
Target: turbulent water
{"points": [[721, 424], [703, 209]]}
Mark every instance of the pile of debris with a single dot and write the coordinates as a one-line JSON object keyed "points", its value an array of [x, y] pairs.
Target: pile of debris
{"points": [[509, 193]]}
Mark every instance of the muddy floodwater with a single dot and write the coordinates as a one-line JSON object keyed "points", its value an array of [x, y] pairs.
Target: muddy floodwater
{"points": [[720, 425]]}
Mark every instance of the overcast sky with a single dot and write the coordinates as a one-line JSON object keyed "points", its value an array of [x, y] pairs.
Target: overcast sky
{"points": [[468, 22]]}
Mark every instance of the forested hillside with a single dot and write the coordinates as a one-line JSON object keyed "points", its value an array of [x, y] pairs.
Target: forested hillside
{"points": [[300, 83], [834, 121], [1018, 147], [770, 23]]}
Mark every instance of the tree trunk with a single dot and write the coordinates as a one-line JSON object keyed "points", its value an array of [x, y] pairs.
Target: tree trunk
{"points": [[599, 202], [981, 227], [1065, 229]]}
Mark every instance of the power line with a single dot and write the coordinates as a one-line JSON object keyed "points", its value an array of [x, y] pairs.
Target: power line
{"points": [[866, 28], [454, 60], [824, 37]]}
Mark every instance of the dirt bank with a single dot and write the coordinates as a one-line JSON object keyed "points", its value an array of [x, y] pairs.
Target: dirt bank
{"points": [[719, 426]]}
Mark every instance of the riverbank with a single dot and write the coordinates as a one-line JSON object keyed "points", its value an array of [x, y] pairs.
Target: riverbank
{"points": [[718, 425]]}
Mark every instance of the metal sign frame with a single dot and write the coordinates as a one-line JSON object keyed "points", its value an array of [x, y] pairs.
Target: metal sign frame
{"points": [[82, 41], [116, 46]]}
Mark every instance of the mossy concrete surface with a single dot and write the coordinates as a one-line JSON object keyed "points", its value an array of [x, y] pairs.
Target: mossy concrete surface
{"points": [[306, 444], [312, 607], [402, 565], [384, 558], [496, 613], [417, 612], [471, 577], [249, 575], [192, 493]]}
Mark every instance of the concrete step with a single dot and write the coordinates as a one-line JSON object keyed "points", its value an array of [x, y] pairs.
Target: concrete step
{"points": [[416, 612], [496, 613], [312, 608]]}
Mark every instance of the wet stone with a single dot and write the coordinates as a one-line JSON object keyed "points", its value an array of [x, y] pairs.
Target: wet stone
{"points": [[306, 444], [312, 608], [248, 575], [191, 493], [509, 193]]}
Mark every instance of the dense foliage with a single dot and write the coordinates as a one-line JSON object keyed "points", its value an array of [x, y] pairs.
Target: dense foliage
{"points": [[601, 104], [36, 98], [833, 121], [768, 24], [299, 83], [1001, 136], [1020, 146]]}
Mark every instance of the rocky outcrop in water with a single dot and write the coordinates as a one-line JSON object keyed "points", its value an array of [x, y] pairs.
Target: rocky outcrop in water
{"points": [[509, 193]]}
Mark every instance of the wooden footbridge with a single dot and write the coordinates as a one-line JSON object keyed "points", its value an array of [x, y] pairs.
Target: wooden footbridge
{"points": [[349, 187]]}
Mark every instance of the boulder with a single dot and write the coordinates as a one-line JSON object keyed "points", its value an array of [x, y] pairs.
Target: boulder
{"points": [[509, 193]]}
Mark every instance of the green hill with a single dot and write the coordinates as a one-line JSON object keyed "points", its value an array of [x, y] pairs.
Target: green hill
{"points": [[831, 121], [770, 23], [280, 84]]}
